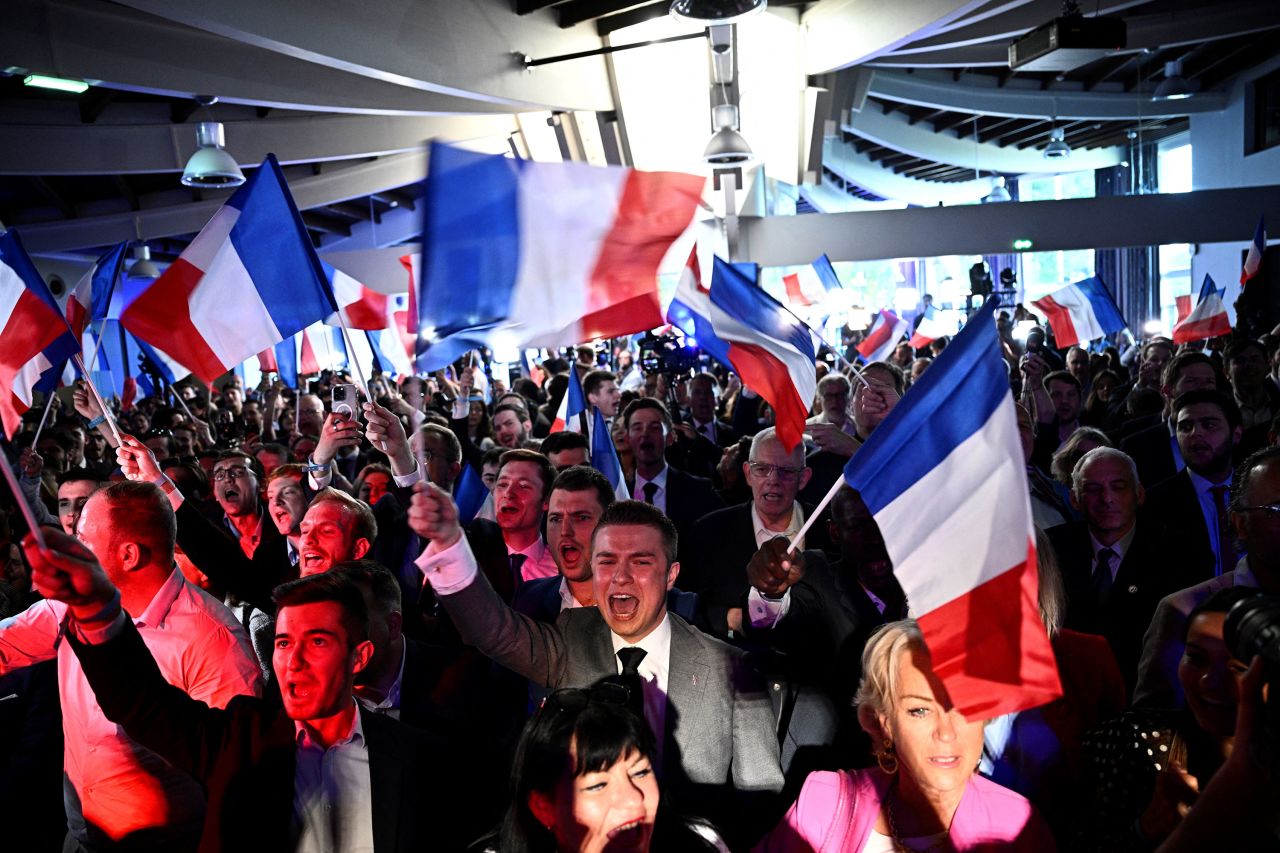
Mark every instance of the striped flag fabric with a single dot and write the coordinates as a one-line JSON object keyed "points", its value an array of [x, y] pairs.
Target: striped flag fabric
{"points": [[690, 311], [1253, 260], [604, 456], [795, 292], [930, 329], [248, 281], [1081, 312], [317, 347], [359, 307], [517, 253], [469, 494], [571, 416], [1183, 305], [35, 340], [944, 480], [1207, 320], [769, 348], [90, 299], [810, 285], [885, 333]]}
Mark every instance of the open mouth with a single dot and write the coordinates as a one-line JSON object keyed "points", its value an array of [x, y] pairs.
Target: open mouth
{"points": [[570, 553], [946, 762], [313, 561], [623, 606], [298, 689], [620, 833], [230, 494]]}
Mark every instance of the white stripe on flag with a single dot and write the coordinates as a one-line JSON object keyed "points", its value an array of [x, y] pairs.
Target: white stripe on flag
{"points": [[799, 367], [228, 311], [944, 548], [11, 289]]}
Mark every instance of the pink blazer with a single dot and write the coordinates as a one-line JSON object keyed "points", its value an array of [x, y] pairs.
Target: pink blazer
{"points": [[836, 812]]}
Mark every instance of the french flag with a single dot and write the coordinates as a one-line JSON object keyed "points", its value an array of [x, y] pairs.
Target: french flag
{"points": [[1207, 320], [317, 347], [35, 340], [572, 414], [1081, 312], [769, 347], [810, 285], [930, 329], [604, 455], [885, 333], [249, 280], [360, 307], [90, 299], [944, 480], [541, 254], [690, 311], [1253, 260]]}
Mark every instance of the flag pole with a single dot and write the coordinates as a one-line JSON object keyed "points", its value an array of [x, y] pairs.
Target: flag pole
{"points": [[856, 370], [27, 514], [817, 511], [106, 412], [351, 356], [44, 418]]}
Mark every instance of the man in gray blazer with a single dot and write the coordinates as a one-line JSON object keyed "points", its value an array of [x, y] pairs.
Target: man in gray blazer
{"points": [[718, 750]]}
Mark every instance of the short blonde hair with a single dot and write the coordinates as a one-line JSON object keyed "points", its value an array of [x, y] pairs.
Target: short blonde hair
{"points": [[880, 663]]}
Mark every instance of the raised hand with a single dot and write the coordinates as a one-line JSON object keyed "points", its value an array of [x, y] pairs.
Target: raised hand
{"points": [[385, 432], [433, 515], [773, 570], [136, 460], [338, 431]]}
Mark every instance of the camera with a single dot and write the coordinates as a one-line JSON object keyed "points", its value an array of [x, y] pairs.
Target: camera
{"points": [[1252, 629], [663, 354], [979, 280]]}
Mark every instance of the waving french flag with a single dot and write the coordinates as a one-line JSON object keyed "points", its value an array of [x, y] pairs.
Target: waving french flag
{"points": [[572, 414], [35, 340], [944, 479], [930, 329], [690, 311], [1207, 320], [885, 333], [518, 253], [1253, 260], [1082, 311], [810, 285], [249, 280], [91, 297], [604, 455], [359, 307], [771, 350]]}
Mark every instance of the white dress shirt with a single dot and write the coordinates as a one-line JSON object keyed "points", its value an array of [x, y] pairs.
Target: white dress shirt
{"points": [[763, 612], [332, 806], [660, 496], [1209, 509], [567, 601]]}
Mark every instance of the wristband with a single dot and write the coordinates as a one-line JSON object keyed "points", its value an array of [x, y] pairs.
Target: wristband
{"points": [[97, 422], [316, 468]]}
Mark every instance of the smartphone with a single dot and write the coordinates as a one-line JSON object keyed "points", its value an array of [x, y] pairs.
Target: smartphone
{"points": [[346, 401]]}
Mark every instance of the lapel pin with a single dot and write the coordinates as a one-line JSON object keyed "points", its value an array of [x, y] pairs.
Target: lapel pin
{"points": [[1132, 590]]}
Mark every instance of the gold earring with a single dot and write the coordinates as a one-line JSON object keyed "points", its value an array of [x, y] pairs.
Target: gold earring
{"points": [[887, 760]]}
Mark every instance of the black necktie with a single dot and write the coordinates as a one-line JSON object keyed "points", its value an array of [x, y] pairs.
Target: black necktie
{"points": [[650, 490], [517, 563], [1102, 574], [1226, 547], [702, 429], [631, 678]]}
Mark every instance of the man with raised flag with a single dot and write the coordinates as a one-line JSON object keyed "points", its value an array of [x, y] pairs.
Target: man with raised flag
{"points": [[1207, 320], [249, 280], [517, 253], [885, 333], [1083, 311], [771, 350], [35, 340]]}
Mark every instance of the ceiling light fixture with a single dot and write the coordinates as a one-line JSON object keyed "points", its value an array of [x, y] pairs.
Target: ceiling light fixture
{"points": [[727, 149], [61, 84], [143, 267], [211, 166], [1000, 193], [1173, 87], [1057, 147], [711, 12]]}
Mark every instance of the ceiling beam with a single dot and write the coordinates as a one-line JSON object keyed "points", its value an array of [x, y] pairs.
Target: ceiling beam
{"points": [[52, 196], [575, 12], [1203, 216], [525, 7], [317, 221], [93, 102], [1004, 26], [613, 23], [842, 33]]}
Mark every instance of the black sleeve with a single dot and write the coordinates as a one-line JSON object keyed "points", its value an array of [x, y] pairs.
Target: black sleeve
{"points": [[217, 553], [471, 455]]}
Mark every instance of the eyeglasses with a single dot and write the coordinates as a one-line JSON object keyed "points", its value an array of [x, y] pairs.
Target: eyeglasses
{"points": [[785, 474], [234, 472], [1269, 509]]}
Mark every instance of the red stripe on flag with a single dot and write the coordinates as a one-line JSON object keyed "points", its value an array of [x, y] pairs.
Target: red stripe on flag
{"points": [[1064, 331], [879, 335], [990, 648], [1184, 306], [77, 316], [161, 316], [31, 326], [632, 315], [1210, 327], [308, 364], [762, 372], [369, 312], [794, 294], [653, 210]]}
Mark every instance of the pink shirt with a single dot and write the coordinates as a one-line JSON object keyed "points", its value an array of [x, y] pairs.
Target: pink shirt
{"points": [[121, 786]]}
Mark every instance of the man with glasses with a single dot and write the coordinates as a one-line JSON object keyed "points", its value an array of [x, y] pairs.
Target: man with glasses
{"points": [[1255, 515], [682, 496], [724, 542]]}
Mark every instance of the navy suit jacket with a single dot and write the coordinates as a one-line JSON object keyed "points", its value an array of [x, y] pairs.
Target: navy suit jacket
{"points": [[540, 599]]}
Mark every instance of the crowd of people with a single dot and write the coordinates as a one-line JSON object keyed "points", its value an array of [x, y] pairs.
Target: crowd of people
{"points": [[257, 620]]}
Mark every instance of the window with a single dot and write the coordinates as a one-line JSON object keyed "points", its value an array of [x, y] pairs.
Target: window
{"points": [[1173, 168], [1045, 272], [1262, 112]]}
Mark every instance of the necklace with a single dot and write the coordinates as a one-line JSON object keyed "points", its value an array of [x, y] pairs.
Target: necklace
{"points": [[898, 843]]}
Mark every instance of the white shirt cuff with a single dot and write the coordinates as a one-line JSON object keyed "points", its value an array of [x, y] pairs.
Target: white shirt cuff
{"points": [[322, 481], [448, 570], [764, 612], [406, 480]]}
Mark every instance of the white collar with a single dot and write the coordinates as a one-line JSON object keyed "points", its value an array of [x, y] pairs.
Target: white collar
{"points": [[657, 646], [659, 479], [534, 551], [764, 534], [1120, 547], [302, 736], [1202, 485], [567, 601]]}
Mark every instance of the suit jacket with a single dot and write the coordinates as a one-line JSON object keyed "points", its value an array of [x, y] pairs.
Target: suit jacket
{"points": [[716, 568], [540, 599], [689, 498], [1174, 506], [1154, 566], [216, 551], [245, 755], [1151, 449], [720, 726], [700, 456]]}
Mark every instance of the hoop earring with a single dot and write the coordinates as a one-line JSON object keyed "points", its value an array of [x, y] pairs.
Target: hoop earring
{"points": [[887, 760]]}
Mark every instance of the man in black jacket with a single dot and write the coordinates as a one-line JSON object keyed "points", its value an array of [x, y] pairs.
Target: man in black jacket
{"points": [[304, 769]]}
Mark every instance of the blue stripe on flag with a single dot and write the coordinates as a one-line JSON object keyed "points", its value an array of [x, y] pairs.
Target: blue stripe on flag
{"points": [[108, 270], [470, 251], [604, 455], [698, 328], [469, 494], [287, 362], [735, 293], [1104, 306], [275, 248], [577, 400], [950, 402], [826, 274]]}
